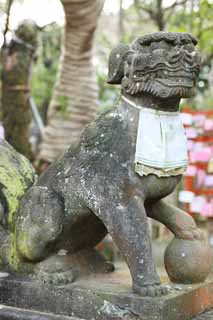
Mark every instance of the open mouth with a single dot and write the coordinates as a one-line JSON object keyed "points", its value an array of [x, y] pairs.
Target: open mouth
{"points": [[180, 78], [176, 82], [166, 69]]}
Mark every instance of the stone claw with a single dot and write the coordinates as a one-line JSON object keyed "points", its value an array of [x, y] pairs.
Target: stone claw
{"points": [[56, 278], [155, 290]]}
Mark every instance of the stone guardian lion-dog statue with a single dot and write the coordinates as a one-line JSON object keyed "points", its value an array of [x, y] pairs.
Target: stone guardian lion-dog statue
{"points": [[126, 162]]}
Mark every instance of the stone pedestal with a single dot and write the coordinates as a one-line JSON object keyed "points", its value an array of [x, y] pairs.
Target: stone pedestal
{"points": [[101, 297]]}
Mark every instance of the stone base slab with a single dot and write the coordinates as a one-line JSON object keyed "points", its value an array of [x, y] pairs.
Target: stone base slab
{"points": [[10, 313], [101, 297]]}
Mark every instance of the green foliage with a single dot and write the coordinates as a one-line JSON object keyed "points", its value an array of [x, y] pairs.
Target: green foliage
{"points": [[134, 25], [108, 94], [136, 22], [46, 65], [42, 83], [63, 102], [196, 19], [202, 101]]}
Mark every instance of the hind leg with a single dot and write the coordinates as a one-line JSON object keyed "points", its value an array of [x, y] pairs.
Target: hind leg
{"points": [[179, 222], [128, 226], [42, 229], [39, 224], [79, 254], [38, 227], [63, 269]]}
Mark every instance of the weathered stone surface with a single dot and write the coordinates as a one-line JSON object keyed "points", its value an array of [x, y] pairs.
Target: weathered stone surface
{"points": [[11, 313], [105, 297], [182, 261], [16, 176], [94, 189]]}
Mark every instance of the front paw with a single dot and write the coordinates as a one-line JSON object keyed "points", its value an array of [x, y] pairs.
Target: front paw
{"points": [[55, 278], [151, 290]]}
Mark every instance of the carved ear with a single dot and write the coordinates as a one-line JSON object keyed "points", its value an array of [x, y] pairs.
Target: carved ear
{"points": [[116, 63]]}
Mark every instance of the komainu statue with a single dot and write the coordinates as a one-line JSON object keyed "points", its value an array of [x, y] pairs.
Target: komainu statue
{"points": [[126, 162]]}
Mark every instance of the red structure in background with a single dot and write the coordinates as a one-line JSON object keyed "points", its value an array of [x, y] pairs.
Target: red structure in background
{"points": [[198, 182]]}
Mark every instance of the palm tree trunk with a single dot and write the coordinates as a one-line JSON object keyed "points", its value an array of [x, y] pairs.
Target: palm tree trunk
{"points": [[75, 98]]}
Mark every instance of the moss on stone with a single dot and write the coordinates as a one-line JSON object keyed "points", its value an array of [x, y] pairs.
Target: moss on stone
{"points": [[14, 184], [16, 176]]}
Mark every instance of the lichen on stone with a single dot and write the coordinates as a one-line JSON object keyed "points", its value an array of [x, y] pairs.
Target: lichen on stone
{"points": [[16, 176]]}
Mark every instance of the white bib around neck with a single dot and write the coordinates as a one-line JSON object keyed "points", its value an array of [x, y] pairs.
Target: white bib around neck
{"points": [[161, 145]]}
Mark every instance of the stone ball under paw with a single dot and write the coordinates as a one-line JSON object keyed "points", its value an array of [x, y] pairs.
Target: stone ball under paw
{"points": [[187, 261]]}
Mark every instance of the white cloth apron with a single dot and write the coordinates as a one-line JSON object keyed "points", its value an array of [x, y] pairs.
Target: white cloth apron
{"points": [[161, 146]]}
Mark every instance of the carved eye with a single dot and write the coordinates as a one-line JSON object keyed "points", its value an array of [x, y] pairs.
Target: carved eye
{"points": [[154, 46]]}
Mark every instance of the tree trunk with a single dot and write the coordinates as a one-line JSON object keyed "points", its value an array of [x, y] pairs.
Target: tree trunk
{"points": [[160, 16], [75, 98], [8, 10], [121, 21], [17, 58]]}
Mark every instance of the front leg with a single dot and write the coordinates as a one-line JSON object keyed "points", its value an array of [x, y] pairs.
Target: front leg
{"points": [[128, 226], [176, 220]]}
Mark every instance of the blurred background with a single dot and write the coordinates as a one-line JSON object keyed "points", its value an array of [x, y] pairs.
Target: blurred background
{"points": [[53, 82]]}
